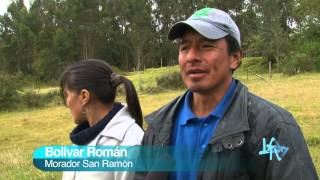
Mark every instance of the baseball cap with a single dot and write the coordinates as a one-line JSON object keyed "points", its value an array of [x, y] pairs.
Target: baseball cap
{"points": [[211, 23]]}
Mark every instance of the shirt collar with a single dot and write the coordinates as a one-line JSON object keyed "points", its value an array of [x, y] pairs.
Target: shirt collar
{"points": [[186, 111], [225, 101], [218, 112]]}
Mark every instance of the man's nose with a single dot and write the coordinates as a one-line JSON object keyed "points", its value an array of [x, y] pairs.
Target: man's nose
{"points": [[193, 54]]}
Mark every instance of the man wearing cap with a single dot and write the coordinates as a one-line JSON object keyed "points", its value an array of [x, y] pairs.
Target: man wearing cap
{"points": [[229, 132]]}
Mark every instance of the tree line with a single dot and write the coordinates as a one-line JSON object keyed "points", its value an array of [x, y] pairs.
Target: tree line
{"points": [[131, 34]]}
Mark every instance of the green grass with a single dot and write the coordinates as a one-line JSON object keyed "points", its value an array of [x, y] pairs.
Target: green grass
{"points": [[24, 131], [147, 78], [43, 90]]}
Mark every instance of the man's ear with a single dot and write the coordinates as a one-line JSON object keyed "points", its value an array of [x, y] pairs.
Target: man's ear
{"points": [[235, 60], [84, 96]]}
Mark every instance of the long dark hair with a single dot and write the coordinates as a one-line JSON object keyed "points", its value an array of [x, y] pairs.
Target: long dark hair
{"points": [[97, 77]]}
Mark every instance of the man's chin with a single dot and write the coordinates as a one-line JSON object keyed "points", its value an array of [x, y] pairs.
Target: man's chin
{"points": [[199, 88], [196, 88]]}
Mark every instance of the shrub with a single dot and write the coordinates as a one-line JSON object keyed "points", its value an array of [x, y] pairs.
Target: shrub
{"points": [[31, 99], [296, 63], [9, 94], [171, 80], [117, 70], [257, 64], [317, 63], [311, 48]]}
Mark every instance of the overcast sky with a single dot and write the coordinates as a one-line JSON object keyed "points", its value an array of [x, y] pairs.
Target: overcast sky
{"points": [[5, 3]]}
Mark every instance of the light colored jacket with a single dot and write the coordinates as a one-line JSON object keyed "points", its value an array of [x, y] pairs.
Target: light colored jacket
{"points": [[120, 131]]}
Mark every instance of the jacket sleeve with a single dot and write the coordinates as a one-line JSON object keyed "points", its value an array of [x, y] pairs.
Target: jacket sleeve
{"points": [[296, 164], [142, 175], [123, 175]]}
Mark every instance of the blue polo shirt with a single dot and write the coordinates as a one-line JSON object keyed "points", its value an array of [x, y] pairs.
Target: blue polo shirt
{"points": [[191, 134]]}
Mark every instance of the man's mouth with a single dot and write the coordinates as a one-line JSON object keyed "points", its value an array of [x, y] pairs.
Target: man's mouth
{"points": [[196, 73]]}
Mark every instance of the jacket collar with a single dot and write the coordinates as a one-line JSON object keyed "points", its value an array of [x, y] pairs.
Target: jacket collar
{"points": [[162, 120], [217, 112], [234, 121], [83, 133], [118, 125]]}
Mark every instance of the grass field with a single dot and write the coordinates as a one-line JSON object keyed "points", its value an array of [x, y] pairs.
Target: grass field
{"points": [[24, 131]]}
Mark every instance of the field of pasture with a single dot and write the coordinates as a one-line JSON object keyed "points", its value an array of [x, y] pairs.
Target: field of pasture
{"points": [[25, 130]]}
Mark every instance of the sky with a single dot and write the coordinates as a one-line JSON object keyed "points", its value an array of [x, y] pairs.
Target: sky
{"points": [[5, 3]]}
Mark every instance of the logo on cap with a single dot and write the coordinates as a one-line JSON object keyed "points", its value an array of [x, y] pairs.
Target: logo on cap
{"points": [[202, 12]]}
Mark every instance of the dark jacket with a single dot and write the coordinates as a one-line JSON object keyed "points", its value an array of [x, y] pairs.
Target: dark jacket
{"points": [[233, 151]]}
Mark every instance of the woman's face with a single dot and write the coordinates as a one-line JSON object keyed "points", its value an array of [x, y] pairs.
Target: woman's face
{"points": [[75, 104]]}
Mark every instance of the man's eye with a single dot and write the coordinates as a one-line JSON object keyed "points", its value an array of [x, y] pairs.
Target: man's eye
{"points": [[207, 46], [183, 48]]}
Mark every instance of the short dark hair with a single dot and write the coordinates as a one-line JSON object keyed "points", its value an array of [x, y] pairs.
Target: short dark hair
{"points": [[95, 76], [233, 47]]}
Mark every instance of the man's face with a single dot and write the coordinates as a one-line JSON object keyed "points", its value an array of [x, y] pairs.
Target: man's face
{"points": [[205, 64]]}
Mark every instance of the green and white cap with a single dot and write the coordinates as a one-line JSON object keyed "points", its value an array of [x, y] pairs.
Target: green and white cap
{"points": [[209, 22]]}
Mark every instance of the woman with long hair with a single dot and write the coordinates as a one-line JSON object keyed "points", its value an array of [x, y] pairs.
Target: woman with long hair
{"points": [[88, 89]]}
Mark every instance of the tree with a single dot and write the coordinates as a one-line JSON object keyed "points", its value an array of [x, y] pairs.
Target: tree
{"points": [[307, 18], [133, 18], [18, 39]]}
